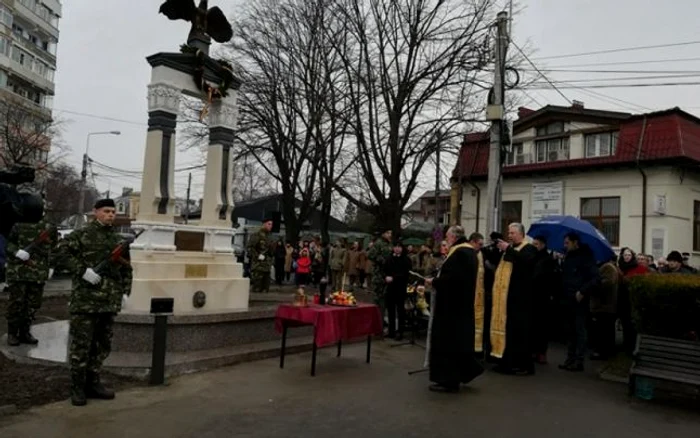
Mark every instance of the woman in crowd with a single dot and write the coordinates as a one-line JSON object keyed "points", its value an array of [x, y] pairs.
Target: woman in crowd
{"points": [[303, 268], [288, 260], [629, 267], [397, 269]]}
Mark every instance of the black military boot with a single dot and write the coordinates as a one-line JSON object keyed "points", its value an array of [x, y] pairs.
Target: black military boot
{"points": [[12, 340], [25, 337], [95, 389], [77, 396]]}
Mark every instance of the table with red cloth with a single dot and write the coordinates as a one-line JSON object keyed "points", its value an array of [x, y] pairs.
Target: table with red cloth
{"points": [[332, 324]]}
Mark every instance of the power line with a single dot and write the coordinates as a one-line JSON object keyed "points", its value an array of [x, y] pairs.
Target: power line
{"points": [[622, 49], [540, 72], [640, 85], [632, 78], [651, 61], [671, 72], [107, 118]]}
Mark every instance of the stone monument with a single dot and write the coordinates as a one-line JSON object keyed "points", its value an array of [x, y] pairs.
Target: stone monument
{"points": [[194, 264]]}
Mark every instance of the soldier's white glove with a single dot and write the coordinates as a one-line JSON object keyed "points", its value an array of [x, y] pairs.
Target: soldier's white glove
{"points": [[261, 257], [50, 273], [125, 298], [22, 255], [91, 276]]}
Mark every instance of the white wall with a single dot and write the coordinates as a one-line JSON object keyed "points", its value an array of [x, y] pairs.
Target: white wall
{"points": [[675, 226]]}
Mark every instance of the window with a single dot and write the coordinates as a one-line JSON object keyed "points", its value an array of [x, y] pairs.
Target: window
{"points": [[696, 225], [511, 211], [554, 149], [601, 145], [121, 208], [552, 128], [604, 214], [22, 57], [5, 16], [515, 156], [5, 46]]}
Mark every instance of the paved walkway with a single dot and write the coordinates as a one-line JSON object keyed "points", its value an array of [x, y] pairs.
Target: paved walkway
{"points": [[351, 399]]}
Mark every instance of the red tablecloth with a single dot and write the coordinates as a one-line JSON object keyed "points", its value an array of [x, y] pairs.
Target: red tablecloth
{"points": [[332, 323]]}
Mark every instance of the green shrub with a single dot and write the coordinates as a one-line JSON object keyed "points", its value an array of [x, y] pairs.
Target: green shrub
{"points": [[666, 305]]}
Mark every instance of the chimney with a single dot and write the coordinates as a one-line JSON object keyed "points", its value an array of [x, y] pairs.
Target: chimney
{"points": [[524, 112], [577, 104]]}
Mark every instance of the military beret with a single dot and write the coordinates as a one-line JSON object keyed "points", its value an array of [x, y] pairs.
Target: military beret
{"points": [[102, 203], [268, 219]]}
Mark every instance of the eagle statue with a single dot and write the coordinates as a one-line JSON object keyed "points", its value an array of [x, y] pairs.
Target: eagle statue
{"points": [[205, 20]]}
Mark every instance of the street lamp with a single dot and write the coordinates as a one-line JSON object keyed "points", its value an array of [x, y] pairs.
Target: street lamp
{"points": [[83, 173]]}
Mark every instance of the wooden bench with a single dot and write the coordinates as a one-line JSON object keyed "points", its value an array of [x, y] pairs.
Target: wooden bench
{"points": [[666, 359]]}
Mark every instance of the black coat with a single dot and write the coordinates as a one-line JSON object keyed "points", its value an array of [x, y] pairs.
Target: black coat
{"points": [[452, 333], [397, 267], [580, 273]]}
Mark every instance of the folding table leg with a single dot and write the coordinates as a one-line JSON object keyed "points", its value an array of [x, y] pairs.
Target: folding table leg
{"points": [[340, 347], [369, 347], [284, 344], [313, 355]]}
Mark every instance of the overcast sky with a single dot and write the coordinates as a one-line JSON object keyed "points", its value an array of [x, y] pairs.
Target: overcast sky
{"points": [[102, 72]]}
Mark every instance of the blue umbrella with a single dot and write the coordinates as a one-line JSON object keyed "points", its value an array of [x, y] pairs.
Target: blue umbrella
{"points": [[555, 228]]}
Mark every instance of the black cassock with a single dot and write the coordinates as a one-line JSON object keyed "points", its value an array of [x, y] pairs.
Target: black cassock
{"points": [[452, 333]]}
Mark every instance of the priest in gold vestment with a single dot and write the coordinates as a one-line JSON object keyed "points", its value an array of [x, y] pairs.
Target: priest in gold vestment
{"points": [[511, 313]]}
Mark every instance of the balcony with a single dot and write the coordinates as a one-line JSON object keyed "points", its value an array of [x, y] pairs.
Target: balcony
{"points": [[41, 25], [35, 50], [41, 111], [27, 75]]}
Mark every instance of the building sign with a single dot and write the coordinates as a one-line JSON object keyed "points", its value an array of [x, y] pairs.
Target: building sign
{"points": [[547, 199]]}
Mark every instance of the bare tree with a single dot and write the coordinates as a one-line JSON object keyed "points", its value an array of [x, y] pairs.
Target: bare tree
{"points": [[63, 185], [289, 104], [409, 67], [250, 181], [27, 135]]}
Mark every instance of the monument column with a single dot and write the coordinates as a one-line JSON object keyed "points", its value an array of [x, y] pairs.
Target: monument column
{"points": [[217, 203], [157, 188], [157, 200]]}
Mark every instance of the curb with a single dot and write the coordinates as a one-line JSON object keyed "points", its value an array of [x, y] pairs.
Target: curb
{"points": [[8, 410]]}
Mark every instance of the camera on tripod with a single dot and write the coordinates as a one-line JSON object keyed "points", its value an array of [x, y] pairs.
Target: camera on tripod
{"points": [[16, 206]]}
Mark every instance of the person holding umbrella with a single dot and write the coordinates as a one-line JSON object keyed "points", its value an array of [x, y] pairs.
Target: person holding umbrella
{"points": [[581, 279]]}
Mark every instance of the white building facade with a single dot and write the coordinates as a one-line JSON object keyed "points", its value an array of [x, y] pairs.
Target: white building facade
{"points": [[636, 178]]}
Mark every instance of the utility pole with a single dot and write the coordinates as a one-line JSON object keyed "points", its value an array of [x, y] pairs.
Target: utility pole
{"points": [[495, 112], [437, 183], [187, 201], [83, 172]]}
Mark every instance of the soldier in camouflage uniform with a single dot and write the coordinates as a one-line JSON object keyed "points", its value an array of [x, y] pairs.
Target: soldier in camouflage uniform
{"points": [[28, 250], [95, 299], [260, 258], [379, 254]]}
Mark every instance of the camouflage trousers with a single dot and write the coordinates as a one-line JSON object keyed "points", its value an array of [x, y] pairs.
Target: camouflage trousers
{"points": [[90, 344], [260, 281], [380, 297], [24, 302]]}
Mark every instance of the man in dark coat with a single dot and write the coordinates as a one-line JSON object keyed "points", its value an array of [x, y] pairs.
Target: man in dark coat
{"points": [[581, 279], [546, 282], [451, 342], [397, 271], [511, 316]]}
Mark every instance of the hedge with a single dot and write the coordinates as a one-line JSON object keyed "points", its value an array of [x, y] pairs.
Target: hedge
{"points": [[666, 305]]}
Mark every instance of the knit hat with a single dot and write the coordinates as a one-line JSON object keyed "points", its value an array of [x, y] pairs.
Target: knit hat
{"points": [[674, 256]]}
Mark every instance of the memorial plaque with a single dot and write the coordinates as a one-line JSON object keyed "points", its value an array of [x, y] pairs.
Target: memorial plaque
{"points": [[196, 271], [189, 241]]}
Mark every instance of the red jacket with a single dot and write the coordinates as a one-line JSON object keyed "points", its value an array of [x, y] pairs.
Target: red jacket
{"points": [[304, 265], [637, 270]]}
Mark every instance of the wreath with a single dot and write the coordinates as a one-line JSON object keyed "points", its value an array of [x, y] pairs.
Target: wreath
{"points": [[209, 91]]}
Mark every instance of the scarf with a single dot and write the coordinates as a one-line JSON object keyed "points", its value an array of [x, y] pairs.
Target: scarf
{"points": [[499, 313]]}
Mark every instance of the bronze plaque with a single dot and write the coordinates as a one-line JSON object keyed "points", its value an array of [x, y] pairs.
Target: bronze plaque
{"points": [[196, 271], [189, 241]]}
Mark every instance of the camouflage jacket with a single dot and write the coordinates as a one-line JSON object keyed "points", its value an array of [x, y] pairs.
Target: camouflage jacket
{"points": [[259, 244], [41, 248], [86, 248], [379, 254]]}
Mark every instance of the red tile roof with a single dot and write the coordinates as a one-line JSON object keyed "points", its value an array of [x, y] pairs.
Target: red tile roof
{"points": [[666, 135]]}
